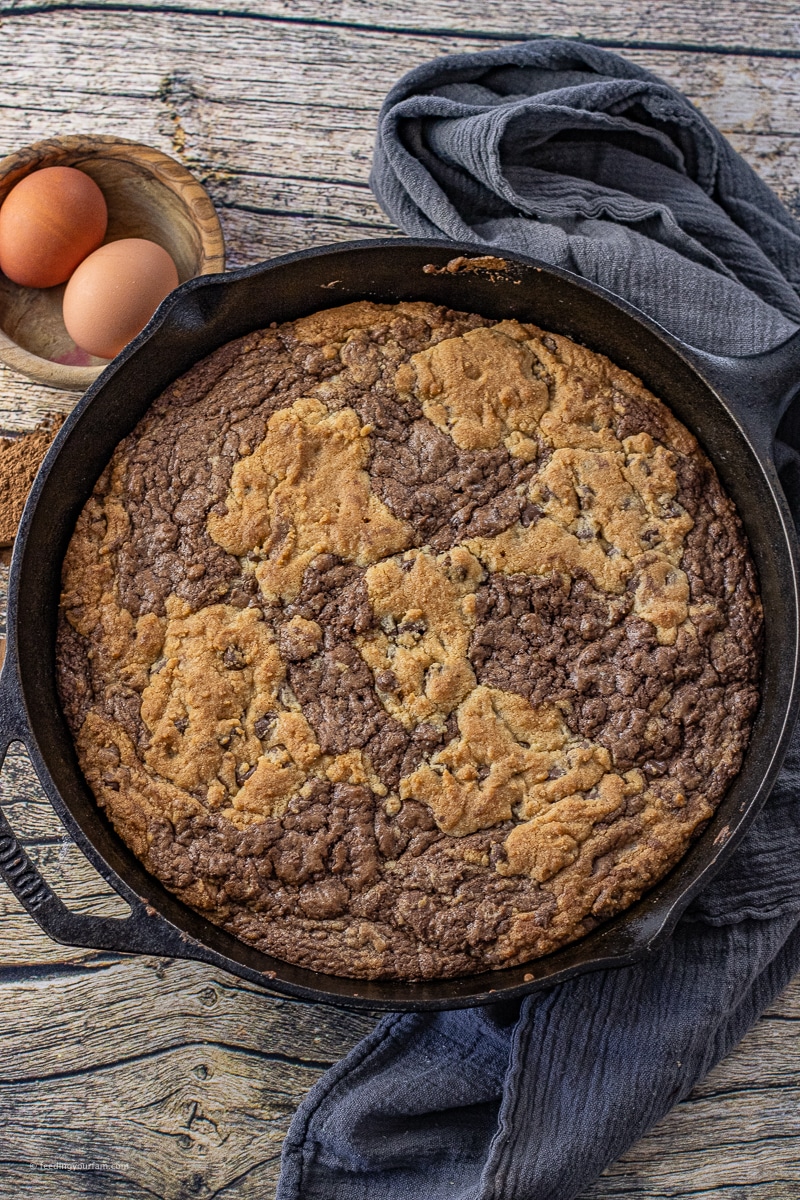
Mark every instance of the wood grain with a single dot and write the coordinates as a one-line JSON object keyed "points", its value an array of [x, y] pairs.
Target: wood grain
{"points": [[190, 1078], [210, 1090], [769, 26], [183, 1074]]}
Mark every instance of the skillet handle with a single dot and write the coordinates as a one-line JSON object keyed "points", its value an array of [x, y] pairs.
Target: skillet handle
{"points": [[759, 388], [143, 932]]}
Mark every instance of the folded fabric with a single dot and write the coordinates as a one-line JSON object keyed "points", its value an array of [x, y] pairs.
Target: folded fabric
{"points": [[575, 156], [572, 155]]}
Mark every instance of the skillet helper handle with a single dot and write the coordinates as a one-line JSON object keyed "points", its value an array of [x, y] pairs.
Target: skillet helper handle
{"points": [[761, 387], [143, 932]]}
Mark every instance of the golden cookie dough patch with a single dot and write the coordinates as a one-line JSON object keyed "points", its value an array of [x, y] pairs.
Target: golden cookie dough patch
{"points": [[305, 491], [509, 760], [480, 388], [424, 608], [221, 672]]}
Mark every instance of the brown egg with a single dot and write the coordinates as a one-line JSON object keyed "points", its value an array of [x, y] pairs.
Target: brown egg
{"points": [[49, 222], [114, 293]]}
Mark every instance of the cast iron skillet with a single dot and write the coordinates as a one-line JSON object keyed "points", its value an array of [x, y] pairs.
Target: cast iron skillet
{"points": [[732, 405]]}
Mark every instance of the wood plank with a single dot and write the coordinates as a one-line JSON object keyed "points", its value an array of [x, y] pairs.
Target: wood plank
{"points": [[23, 404], [192, 1004], [213, 1086], [206, 1095], [25, 948], [180, 58], [769, 25], [304, 139], [32, 1180], [23, 800], [172, 1122]]}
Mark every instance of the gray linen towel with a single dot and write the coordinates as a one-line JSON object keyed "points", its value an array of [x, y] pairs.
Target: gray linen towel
{"points": [[572, 155]]}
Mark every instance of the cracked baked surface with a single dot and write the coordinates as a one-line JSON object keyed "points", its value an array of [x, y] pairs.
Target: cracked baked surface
{"points": [[403, 643]]}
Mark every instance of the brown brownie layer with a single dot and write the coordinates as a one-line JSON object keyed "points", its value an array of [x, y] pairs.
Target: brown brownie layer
{"points": [[402, 643]]}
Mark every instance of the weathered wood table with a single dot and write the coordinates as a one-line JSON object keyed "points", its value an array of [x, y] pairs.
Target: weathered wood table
{"points": [[132, 1078]]}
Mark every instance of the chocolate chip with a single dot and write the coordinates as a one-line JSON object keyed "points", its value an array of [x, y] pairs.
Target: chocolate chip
{"points": [[264, 724], [234, 659]]}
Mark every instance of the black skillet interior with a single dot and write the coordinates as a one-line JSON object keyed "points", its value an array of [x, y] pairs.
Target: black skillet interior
{"points": [[208, 312]]}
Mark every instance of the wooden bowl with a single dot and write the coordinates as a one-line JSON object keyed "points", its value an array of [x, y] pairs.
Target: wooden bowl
{"points": [[149, 195]]}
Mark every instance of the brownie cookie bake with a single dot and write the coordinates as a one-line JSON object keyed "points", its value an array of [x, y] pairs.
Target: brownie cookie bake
{"points": [[402, 643]]}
